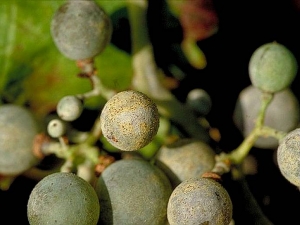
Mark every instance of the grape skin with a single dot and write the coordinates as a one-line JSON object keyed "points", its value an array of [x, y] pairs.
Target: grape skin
{"points": [[184, 159], [63, 198], [272, 67], [81, 29], [129, 120], [132, 191], [288, 157], [56, 128], [69, 108], [199, 201], [18, 128]]}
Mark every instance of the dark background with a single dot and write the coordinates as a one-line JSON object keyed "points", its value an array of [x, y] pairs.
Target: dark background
{"points": [[244, 26]]}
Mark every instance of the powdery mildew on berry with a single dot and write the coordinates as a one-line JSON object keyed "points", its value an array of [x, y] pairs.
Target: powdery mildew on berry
{"points": [[199, 201], [129, 120], [288, 157]]}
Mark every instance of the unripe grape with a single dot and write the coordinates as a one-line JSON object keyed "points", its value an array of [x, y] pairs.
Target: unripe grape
{"points": [[200, 101], [272, 67], [184, 159], [199, 201], [56, 128], [18, 128], [282, 113], [69, 108], [81, 29], [129, 120], [63, 198], [133, 191], [288, 157]]}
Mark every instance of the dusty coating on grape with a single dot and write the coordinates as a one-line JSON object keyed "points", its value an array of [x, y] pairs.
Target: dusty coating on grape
{"points": [[199, 201], [288, 157], [81, 29], [129, 120], [63, 198], [133, 191], [184, 159], [17, 131], [272, 67]]}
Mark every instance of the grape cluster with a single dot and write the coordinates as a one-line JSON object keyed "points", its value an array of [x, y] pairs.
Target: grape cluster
{"points": [[170, 187]]}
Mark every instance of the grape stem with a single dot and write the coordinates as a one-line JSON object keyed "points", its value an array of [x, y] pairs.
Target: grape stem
{"points": [[82, 155], [88, 70], [238, 155], [147, 75]]}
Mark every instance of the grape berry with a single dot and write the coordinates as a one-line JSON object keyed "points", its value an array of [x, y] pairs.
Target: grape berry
{"points": [[199, 201], [129, 120], [18, 128], [63, 198], [81, 29]]}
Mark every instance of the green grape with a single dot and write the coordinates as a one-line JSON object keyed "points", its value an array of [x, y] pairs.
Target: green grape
{"points": [[184, 159], [288, 157], [282, 113], [69, 108], [133, 191], [81, 29], [272, 67], [18, 128], [63, 198], [199, 201], [56, 128], [129, 120], [199, 101]]}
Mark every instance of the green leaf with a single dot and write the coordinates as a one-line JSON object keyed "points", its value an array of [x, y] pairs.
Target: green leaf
{"points": [[33, 71]]}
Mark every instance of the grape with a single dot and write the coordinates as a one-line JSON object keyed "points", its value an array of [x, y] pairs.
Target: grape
{"points": [[56, 128], [129, 120], [185, 158], [133, 191], [288, 157], [18, 128], [63, 198], [282, 113], [199, 201], [81, 29], [69, 108], [200, 101], [272, 67]]}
